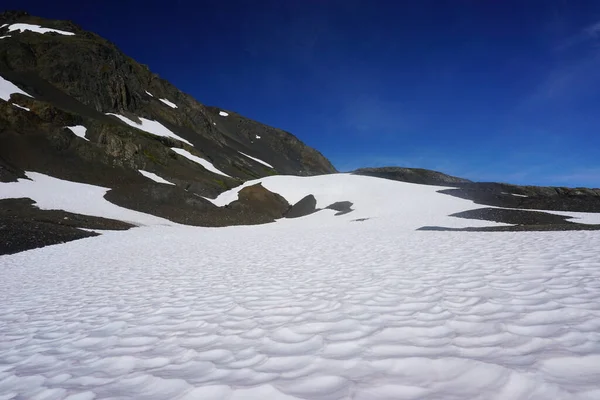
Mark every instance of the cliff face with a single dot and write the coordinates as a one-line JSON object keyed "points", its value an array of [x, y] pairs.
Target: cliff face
{"points": [[77, 78]]}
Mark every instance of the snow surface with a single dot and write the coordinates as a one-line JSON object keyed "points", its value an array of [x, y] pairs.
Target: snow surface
{"points": [[258, 137], [21, 107], [167, 102], [3, 25], [155, 177], [374, 198], [79, 130], [223, 114], [419, 205], [51, 193], [206, 164], [36, 28], [354, 311], [149, 94], [256, 159], [4, 37], [7, 88], [150, 126], [316, 308]]}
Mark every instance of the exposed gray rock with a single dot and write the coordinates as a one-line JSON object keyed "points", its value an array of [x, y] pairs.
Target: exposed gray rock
{"points": [[256, 205], [529, 197], [306, 206], [21, 234], [260, 201], [516, 217], [24, 226]]}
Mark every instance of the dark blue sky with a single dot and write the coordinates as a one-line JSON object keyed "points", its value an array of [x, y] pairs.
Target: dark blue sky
{"points": [[486, 89]]}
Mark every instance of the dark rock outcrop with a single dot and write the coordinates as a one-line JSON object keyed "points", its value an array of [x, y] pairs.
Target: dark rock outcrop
{"points": [[25, 208], [305, 206], [281, 149], [22, 234], [166, 201], [529, 197], [24, 226], [516, 217], [522, 220], [260, 201], [255, 205]]}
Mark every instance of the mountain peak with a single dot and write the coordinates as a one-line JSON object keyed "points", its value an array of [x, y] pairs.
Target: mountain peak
{"points": [[133, 117]]}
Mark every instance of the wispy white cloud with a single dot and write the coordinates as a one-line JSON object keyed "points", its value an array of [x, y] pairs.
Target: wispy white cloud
{"points": [[593, 30], [588, 33], [568, 81]]}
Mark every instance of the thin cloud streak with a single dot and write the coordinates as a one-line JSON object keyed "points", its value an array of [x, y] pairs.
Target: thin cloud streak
{"points": [[588, 33]]}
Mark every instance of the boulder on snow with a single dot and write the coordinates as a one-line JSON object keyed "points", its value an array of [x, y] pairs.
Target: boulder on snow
{"points": [[305, 206], [261, 201]]}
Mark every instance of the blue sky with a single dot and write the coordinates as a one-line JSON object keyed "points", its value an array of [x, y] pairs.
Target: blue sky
{"points": [[486, 89]]}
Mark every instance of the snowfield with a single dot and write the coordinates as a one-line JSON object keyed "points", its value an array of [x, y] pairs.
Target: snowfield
{"points": [[204, 163], [21, 107], [79, 130], [7, 88], [257, 160], [37, 29], [169, 103], [320, 307], [150, 126], [155, 178]]}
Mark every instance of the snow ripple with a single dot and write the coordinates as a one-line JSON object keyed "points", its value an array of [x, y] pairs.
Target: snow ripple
{"points": [[272, 312]]}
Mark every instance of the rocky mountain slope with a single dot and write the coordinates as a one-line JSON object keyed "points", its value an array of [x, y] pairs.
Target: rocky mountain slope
{"points": [[74, 107], [131, 118]]}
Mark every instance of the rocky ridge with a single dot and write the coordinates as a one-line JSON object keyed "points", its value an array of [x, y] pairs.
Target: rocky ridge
{"points": [[84, 80]]}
